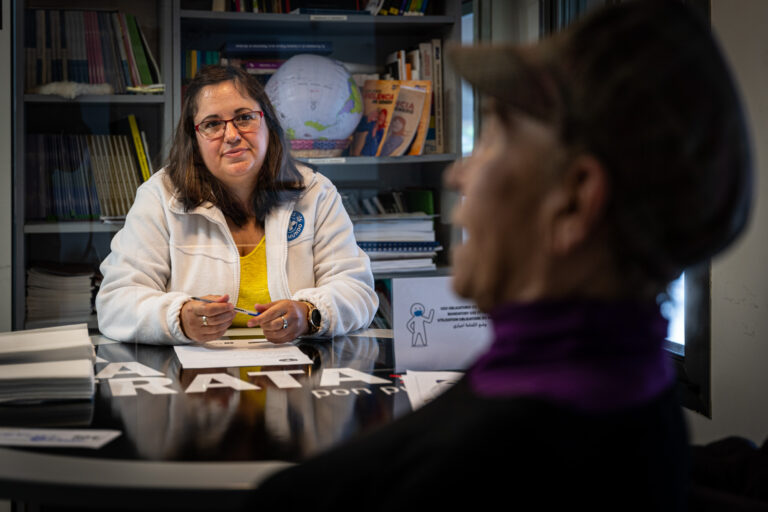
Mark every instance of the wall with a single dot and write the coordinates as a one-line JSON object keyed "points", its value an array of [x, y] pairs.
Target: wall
{"points": [[740, 277], [6, 215]]}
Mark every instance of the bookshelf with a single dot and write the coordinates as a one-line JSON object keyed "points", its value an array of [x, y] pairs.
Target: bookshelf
{"points": [[40, 236], [174, 27]]}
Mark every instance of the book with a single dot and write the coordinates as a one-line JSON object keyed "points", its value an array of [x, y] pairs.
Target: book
{"points": [[437, 80], [413, 57], [113, 73], [129, 126], [154, 69], [379, 98], [328, 11], [40, 52], [403, 265], [243, 49], [374, 6], [78, 56], [417, 147], [397, 236], [126, 43], [399, 246], [405, 121], [47, 364], [142, 64], [119, 44], [51, 380], [49, 344]]}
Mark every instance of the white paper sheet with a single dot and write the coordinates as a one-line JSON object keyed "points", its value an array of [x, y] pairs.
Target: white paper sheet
{"points": [[220, 354], [56, 438], [423, 387], [434, 329]]}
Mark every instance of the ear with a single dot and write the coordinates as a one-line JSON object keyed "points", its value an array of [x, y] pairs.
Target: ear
{"points": [[578, 204]]}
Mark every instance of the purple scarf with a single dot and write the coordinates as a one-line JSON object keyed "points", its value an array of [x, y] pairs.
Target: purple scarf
{"points": [[590, 355]]}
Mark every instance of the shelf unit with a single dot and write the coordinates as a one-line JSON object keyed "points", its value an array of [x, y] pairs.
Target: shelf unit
{"points": [[175, 26], [79, 241]]}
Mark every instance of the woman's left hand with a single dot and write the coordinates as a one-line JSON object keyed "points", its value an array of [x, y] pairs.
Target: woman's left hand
{"points": [[282, 320]]}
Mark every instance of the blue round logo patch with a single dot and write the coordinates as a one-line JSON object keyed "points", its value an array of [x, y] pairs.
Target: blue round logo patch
{"points": [[295, 226]]}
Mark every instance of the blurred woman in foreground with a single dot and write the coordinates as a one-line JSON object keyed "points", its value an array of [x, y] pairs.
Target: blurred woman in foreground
{"points": [[611, 157]]}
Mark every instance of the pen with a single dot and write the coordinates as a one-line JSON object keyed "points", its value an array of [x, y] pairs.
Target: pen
{"points": [[239, 310]]}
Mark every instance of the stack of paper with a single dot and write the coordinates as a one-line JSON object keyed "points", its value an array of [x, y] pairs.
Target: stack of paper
{"points": [[46, 364], [64, 294]]}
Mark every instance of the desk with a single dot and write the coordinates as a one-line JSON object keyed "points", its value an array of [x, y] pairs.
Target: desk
{"points": [[188, 450]]}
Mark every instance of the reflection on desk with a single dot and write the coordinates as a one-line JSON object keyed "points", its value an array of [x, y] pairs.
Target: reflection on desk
{"points": [[224, 428]]}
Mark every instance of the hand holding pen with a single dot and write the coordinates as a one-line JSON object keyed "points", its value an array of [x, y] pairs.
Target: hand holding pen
{"points": [[207, 318]]}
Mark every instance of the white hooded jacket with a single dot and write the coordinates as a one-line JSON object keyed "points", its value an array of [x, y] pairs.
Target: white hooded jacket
{"points": [[163, 256]]}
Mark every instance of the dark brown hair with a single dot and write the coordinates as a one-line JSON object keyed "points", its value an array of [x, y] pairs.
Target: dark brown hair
{"points": [[644, 87], [278, 181]]}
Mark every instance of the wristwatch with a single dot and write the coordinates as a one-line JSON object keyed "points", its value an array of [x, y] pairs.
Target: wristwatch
{"points": [[314, 318]]}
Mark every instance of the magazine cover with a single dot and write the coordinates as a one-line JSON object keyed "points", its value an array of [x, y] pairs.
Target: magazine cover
{"points": [[379, 99], [417, 148], [404, 122]]}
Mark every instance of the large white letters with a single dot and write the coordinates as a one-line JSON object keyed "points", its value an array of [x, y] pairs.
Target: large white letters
{"points": [[152, 385], [281, 378], [205, 381], [335, 376], [128, 368]]}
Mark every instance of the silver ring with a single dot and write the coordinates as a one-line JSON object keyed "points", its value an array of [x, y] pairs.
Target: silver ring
{"points": [[205, 321], [285, 322]]}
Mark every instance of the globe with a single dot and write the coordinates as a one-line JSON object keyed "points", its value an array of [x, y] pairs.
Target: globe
{"points": [[317, 101]]}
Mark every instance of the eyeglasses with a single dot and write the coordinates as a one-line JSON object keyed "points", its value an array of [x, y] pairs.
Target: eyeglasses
{"points": [[247, 122]]}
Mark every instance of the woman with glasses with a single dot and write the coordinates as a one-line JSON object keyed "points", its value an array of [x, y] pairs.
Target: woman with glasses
{"points": [[232, 223]]}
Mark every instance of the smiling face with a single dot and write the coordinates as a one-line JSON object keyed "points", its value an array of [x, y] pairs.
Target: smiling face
{"points": [[505, 184], [236, 158]]}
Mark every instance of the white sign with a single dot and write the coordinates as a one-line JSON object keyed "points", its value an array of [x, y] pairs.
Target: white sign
{"points": [[56, 438], [423, 387], [435, 329]]}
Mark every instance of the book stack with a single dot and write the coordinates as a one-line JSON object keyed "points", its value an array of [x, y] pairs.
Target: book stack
{"points": [[88, 47], [58, 294], [85, 177], [46, 364], [398, 242]]}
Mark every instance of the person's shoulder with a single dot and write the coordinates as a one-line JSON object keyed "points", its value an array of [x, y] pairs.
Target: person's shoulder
{"points": [[159, 186], [159, 181], [314, 181]]}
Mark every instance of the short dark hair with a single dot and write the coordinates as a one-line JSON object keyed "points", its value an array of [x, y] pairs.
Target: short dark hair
{"points": [[643, 86], [279, 179]]}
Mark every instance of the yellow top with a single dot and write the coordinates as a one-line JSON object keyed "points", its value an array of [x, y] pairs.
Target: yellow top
{"points": [[253, 282]]}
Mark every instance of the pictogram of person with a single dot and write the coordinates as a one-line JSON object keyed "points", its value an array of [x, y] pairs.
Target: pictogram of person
{"points": [[416, 324]]}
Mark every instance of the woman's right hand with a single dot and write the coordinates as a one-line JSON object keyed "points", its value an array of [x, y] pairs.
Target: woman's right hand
{"points": [[206, 321]]}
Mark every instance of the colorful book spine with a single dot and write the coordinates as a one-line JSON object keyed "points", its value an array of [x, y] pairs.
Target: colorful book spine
{"points": [[138, 50], [141, 155]]}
